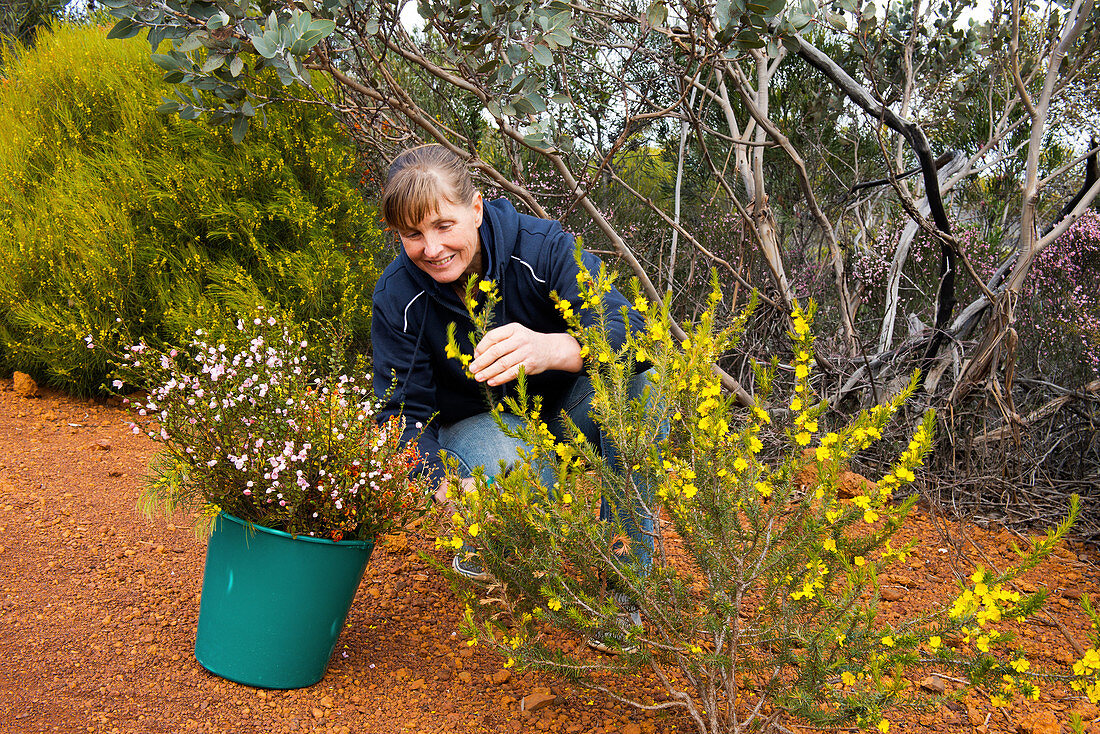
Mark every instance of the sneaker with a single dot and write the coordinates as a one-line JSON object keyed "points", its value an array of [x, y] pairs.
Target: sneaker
{"points": [[468, 565], [613, 640]]}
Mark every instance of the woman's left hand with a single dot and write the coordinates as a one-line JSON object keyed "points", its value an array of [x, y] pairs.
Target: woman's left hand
{"points": [[499, 355]]}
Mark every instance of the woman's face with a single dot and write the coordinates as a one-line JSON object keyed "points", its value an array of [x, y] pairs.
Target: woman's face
{"points": [[445, 244]]}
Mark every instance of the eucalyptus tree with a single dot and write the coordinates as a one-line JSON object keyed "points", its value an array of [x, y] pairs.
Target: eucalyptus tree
{"points": [[704, 92]]}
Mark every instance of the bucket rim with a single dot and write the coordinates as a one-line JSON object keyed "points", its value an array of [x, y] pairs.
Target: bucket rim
{"points": [[249, 526]]}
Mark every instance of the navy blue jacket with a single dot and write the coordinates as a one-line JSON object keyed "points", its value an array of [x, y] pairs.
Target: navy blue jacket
{"points": [[528, 258]]}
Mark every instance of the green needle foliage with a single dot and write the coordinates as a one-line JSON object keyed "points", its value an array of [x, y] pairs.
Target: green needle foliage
{"points": [[126, 225], [767, 614]]}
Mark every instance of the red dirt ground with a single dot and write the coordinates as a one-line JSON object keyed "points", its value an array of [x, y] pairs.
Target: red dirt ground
{"points": [[98, 608]]}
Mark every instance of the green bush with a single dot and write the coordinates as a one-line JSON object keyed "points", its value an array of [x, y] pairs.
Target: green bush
{"points": [[122, 224]]}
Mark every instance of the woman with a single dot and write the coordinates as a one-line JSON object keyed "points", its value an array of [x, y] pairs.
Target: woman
{"points": [[449, 235]]}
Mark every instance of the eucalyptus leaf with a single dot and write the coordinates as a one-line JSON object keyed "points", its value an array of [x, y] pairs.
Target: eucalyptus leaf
{"points": [[538, 104], [156, 37], [213, 62], [263, 46], [236, 66], [218, 20], [191, 43], [240, 128], [301, 23], [722, 13], [168, 108], [561, 37], [535, 140], [168, 63], [797, 18], [542, 55], [656, 14]]}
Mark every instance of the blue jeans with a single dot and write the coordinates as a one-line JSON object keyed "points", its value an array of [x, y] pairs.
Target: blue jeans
{"points": [[479, 441]]}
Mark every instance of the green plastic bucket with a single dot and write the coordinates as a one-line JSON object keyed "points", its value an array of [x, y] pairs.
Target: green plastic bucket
{"points": [[273, 604]]}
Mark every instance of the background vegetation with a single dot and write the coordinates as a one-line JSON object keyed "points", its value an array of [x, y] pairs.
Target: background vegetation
{"points": [[123, 224]]}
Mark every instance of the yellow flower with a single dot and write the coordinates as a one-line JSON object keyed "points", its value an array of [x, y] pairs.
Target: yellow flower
{"points": [[485, 286], [796, 404], [830, 545], [801, 371], [884, 726], [763, 489], [847, 678], [641, 305], [803, 438], [860, 560], [934, 642], [567, 498], [822, 453], [1021, 665], [554, 605], [510, 663], [474, 530], [740, 464]]}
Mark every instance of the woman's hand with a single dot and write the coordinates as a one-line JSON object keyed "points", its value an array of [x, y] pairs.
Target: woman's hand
{"points": [[498, 356], [465, 485]]}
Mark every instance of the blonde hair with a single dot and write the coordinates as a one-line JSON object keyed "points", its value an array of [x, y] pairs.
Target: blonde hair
{"points": [[418, 178]]}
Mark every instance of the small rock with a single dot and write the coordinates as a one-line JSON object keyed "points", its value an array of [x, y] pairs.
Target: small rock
{"points": [[417, 684], [934, 683], [1044, 722], [502, 676], [465, 677], [1074, 594], [892, 593], [444, 673], [24, 385], [318, 714], [100, 445], [632, 728], [536, 701]]}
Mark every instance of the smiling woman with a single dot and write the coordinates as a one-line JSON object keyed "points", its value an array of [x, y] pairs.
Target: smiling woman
{"points": [[444, 244], [527, 270]]}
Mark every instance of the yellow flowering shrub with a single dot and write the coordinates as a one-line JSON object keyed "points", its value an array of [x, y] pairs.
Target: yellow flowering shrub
{"points": [[771, 610]]}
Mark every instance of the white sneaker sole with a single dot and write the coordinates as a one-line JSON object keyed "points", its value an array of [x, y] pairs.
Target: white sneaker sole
{"points": [[481, 578]]}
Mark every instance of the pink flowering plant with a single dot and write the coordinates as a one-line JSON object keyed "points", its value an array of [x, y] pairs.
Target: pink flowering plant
{"points": [[256, 433]]}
